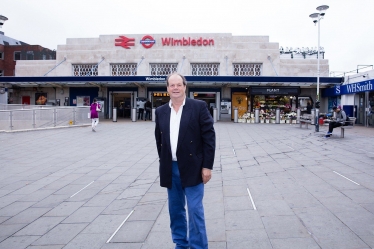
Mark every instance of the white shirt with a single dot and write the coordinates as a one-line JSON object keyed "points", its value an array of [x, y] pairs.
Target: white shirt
{"points": [[141, 104], [175, 120]]}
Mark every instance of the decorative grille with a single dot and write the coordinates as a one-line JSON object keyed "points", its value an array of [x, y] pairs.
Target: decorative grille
{"points": [[205, 69], [247, 69], [85, 70], [163, 69], [127, 69]]}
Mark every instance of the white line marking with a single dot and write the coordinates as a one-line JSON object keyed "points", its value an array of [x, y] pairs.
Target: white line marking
{"points": [[123, 222], [346, 178], [82, 189], [250, 196], [233, 150]]}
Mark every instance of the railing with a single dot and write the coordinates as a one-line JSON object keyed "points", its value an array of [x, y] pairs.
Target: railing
{"points": [[26, 117]]}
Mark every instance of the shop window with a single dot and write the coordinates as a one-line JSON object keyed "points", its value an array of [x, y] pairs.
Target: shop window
{"points": [[204, 69], [85, 70], [17, 55], [162, 69], [247, 69], [127, 69], [44, 57]]}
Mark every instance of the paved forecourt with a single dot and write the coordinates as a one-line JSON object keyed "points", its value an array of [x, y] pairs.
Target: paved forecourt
{"points": [[273, 186]]}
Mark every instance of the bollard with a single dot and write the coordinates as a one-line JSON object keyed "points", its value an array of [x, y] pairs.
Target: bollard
{"points": [[153, 114], [215, 115], [298, 116], [133, 114], [313, 119], [115, 114], [257, 115], [235, 115], [277, 116]]}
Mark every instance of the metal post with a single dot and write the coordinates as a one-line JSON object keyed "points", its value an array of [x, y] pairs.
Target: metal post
{"points": [[115, 114], [215, 115], [257, 115], [277, 116], [235, 115], [298, 115], [313, 113], [153, 114], [318, 74], [133, 115]]}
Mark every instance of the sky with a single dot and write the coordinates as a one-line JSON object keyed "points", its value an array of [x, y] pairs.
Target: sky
{"points": [[346, 32]]}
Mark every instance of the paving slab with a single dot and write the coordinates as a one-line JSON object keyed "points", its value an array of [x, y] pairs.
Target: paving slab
{"points": [[76, 189]]}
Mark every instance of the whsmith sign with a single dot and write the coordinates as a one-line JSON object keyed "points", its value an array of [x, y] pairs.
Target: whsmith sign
{"points": [[364, 86]]}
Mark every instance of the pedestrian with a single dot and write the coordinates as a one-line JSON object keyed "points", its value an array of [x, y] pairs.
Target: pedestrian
{"points": [[185, 140], [340, 120], [309, 107], [95, 108], [148, 108], [141, 109]]}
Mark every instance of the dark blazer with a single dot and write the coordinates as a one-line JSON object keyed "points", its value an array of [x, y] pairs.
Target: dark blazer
{"points": [[196, 143]]}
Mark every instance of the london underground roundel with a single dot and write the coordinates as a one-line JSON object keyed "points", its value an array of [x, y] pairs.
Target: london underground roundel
{"points": [[147, 41]]}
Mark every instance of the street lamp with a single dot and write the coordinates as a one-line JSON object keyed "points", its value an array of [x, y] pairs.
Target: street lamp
{"points": [[317, 17]]}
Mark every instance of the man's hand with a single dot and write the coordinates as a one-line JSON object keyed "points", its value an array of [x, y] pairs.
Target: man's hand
{"points": [[206, 174]]}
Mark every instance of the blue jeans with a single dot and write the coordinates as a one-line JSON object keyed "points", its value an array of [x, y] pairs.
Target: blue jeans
{"points": [[178, 222]]}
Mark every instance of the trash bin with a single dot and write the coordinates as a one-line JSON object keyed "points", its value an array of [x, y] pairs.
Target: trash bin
{"points": [[115, 114]]}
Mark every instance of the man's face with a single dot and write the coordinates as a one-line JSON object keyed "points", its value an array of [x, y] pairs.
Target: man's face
{"points": [[175, 88]]}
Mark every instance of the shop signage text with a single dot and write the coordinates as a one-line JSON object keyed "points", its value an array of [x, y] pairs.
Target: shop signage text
{"points": [[187, 42], [155, 78], [355, 88], [270, 91]]}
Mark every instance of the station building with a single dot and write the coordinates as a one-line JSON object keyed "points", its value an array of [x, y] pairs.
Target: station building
{"points": [[226, 71]]}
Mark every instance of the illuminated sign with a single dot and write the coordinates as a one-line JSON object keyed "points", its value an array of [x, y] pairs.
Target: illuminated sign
{"points": [[125, 42], [147, 41], [160, 94]]}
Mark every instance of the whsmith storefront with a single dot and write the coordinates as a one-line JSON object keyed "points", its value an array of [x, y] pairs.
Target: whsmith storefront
{"points": [[356, 98], [224, 70]]}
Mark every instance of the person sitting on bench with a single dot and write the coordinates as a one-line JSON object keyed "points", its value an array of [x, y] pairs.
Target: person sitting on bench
{"points": [[340, 119]]}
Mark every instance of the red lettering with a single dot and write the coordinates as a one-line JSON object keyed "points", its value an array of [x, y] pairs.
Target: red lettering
{"points": [[205, 42], [211, 42], [193, 42], [186, 42], [199, 41], [165, 41], [178, 42]]}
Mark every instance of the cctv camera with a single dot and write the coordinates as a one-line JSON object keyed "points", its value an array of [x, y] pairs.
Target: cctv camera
{"points": [[315, 21], [364, 76]]}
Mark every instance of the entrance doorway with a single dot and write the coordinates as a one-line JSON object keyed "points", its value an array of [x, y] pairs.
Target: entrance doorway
{"points": [[122, 101]]}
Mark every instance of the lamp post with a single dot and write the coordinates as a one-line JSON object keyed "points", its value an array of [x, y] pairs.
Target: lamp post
{"points": [[317, 17]]}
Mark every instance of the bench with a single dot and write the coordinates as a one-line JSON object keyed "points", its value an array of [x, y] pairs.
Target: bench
{"points": [[305, 119], [351, 124]]}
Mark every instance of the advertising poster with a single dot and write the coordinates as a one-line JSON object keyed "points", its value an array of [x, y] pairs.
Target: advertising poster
{"points": [[239, 100], [40, 98], [83, 101]]}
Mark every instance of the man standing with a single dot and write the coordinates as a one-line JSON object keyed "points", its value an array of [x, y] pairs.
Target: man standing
{"points": [[340, 120], [141, 109], [185, 140]]}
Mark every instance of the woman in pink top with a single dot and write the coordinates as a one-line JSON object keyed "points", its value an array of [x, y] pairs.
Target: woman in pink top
{"points": [[94, 114]]}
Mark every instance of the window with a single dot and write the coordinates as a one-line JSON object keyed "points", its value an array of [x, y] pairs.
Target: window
{"points": [[85, 70], [1, 73], [162, 69], [204, 69], [30, 55], [17, 55], [127, 69], [247, 69], [1, 55]]}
